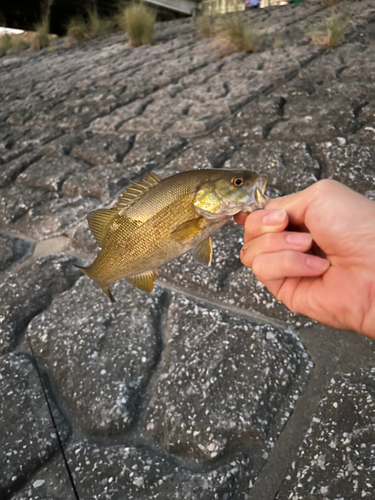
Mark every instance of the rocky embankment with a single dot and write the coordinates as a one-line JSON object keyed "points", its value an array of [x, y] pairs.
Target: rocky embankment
{"points": [[208, 388]]}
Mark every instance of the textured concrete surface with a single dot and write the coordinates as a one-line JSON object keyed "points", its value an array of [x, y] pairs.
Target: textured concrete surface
{"points": [[208, 388]]}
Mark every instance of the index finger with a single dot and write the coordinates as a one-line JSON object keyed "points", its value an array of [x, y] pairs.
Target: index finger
{"points": [[296, 204]]}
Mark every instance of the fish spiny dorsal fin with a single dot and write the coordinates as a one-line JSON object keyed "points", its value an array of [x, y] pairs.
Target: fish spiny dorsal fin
{"points": [[100, 221], [136, 191]]}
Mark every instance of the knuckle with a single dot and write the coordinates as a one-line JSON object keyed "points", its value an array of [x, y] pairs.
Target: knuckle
{"points": [[324, 186], [287, 260], [246, 257], [268, 241], [252, 223], [257, 266]]}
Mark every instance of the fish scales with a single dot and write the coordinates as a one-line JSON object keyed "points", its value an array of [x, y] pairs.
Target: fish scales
{"points": [[165, 219]]}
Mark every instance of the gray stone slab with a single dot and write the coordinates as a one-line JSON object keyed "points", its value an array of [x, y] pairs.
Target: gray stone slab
{"points": [[351, 164], [10, 171], [37, 136], [289, 167], [50, 482], [314, 119], [114, 120], [27, 435], [188, 273], [63, 145], [139, 472], [49, 173], [223, 384], [154, 147], [104, 149], [26, 293], [109, 349], [83, 242], [203, 154], [13, 250], [55, 216], [98, 182], [242, 288], [337, 457], [15, 201], [254, 121]]}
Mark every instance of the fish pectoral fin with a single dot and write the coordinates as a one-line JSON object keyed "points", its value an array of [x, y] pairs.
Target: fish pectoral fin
{"points": [[203, 252], [143, 281], [100, 221], [189, 229]]}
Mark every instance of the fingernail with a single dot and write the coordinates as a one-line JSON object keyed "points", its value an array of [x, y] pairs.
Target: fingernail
{"points": [[299, 239], [274, 218], [317, 264]]}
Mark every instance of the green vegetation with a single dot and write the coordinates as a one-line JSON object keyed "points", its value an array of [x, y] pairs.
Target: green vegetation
{"points": [[331, 32], [81, 29], [139, 22], [13, 43], [278, 43], [5, 44], [40, 39], [204, 26], [233, 35]]}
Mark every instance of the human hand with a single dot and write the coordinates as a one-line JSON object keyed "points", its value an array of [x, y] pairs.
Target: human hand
{"points": [[315, 251]]}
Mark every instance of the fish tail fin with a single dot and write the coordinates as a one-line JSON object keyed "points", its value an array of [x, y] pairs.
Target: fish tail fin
{"points": [[105, 288]]}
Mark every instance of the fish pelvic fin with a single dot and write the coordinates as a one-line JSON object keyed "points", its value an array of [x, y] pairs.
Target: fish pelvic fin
{"points": [[105, 288], [107, 291], [203, 252]]}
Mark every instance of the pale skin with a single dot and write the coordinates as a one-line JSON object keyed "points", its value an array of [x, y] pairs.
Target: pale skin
{"points": [[315, 252]]}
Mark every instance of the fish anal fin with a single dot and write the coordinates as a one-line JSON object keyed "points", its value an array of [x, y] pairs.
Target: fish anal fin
{"points": [[100, 221], [203, 252], [144, 281], [137, 190], [189, 229]]}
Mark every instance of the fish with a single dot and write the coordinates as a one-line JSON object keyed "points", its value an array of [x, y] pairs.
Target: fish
{"points": [[158, 220]]}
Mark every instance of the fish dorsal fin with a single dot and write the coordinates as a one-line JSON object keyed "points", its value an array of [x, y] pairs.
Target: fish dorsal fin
{"points": [[136, 191], [143, 281], [203, 252], [100, 221]]}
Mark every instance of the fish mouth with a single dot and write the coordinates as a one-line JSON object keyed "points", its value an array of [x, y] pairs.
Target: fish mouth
{"points": [[257, 198], [259, 192]]}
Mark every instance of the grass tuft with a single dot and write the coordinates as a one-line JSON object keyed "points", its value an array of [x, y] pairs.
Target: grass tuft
{"points": [[80, 30], [330, 33], [204, 26], [41, 37], [139, 21], [5, 44], [233, 35]]}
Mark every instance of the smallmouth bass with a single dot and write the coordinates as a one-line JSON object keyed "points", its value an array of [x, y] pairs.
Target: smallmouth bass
{"points": [[155, 221]]}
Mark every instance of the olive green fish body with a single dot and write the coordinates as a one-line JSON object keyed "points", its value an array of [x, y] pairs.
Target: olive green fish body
{"points": [[158, 220]]}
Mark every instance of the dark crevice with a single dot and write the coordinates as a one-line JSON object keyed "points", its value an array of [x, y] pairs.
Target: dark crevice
{"points": [[321, 173], [51, 412]]}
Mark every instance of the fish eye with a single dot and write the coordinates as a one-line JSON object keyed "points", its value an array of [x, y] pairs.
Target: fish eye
{"points": [[237, 181]]}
